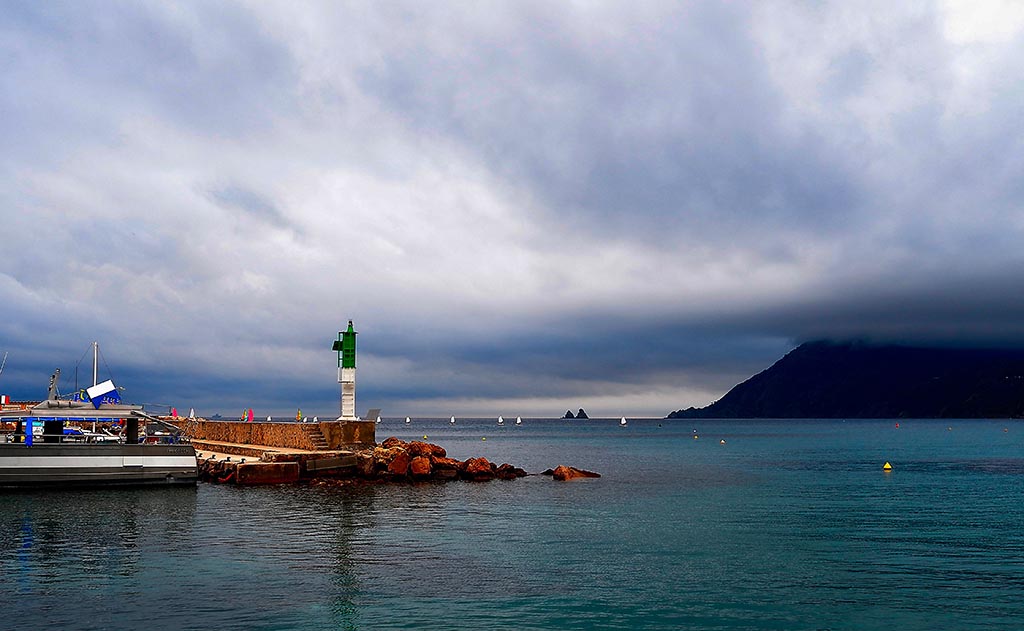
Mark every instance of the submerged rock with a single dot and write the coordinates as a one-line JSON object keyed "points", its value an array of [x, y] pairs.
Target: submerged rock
{"points": [[563, 473]]}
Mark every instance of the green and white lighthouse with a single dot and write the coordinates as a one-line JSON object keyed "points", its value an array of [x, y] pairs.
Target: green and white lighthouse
{"points": [[346, 348]]}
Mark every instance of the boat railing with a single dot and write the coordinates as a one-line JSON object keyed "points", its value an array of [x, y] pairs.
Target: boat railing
{"points": [[14, 437]]}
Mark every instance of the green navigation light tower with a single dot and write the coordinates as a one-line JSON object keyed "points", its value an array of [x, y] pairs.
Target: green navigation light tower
{"points": [[346, 348]]}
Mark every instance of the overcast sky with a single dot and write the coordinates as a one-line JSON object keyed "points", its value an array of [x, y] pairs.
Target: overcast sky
{"points": [[524, 206]]}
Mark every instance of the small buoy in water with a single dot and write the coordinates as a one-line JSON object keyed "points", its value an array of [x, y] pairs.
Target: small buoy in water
{"points": [[1006, 429], [424, 437], [484, 438], [887, 467], [721, 442], [949, 429], [695, 437], [897, 425]]}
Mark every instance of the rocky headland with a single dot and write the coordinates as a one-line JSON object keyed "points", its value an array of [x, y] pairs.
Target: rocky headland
{"points": [[861, 380]]}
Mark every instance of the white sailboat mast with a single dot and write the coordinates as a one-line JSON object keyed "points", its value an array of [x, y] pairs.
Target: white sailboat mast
{"points": [[95, 362]]}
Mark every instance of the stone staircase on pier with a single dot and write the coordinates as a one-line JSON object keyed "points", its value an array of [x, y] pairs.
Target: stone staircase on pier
{"points": [[316, 437]]}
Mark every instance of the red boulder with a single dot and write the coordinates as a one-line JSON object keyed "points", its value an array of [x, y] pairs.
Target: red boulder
{"points": [[477, 469], [562, 472], [400, 465], [418, 448], [419, 467]]}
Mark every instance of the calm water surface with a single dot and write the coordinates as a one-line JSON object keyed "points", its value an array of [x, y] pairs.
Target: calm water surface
{"points": [[789, 525]]}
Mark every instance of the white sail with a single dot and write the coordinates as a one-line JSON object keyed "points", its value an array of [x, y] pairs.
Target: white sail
{"points": [[501, 421], [408, 420], [452, 421], [519, 421], [623, 421]]}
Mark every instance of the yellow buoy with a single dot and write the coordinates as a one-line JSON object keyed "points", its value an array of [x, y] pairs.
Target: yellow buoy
{"points": [[887, 467], [424, 437], [695, 437], [484, 438]]}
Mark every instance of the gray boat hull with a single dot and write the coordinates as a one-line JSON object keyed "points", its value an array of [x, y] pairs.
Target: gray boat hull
{"points": [[96, 465]]}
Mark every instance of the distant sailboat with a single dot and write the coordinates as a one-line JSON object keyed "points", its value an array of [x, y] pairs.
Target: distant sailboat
{"points": [[408, 420], [501, 421], [519, 421], [623, 421], [191, 412], [452, 421], [316, 419], [269, 419], [378, 419]]}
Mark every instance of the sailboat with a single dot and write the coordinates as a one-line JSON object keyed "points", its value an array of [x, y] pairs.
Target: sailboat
{"points": [[501, 421], [622, 423], [452, 421], [408, 420], [519, 421]]}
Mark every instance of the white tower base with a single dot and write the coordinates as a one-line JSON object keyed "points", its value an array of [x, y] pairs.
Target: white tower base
{"points": [[347, 379]]}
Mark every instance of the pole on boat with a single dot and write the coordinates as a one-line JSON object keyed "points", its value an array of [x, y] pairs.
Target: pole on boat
{"points": [[95, 362]]}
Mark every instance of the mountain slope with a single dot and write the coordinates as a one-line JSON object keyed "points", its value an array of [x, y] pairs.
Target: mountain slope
{"points": [[856, 380]]}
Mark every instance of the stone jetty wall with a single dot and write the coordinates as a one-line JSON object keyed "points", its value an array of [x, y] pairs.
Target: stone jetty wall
{"points": [[337, 434], [349, 434]]}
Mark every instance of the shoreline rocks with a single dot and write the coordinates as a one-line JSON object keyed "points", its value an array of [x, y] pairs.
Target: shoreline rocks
{"points": [[398, 460]]}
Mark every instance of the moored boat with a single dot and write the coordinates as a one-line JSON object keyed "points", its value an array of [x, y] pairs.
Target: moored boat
{"points": [[56, 458]]}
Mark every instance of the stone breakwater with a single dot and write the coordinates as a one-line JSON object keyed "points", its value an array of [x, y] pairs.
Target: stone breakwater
{"points": [[398, 460], [393, 460]]}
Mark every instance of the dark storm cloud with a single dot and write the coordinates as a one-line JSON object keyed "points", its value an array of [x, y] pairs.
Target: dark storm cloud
{"points": [[677, 125], [538, 202]]}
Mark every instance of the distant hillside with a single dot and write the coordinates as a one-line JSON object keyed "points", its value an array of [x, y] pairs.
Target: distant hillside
{"points": [[856, 380]]}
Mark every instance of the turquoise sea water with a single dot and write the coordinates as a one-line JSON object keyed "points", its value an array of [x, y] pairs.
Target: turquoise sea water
{"points": [[789, 525]]}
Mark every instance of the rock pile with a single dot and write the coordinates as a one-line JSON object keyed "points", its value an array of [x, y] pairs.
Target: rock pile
{"points": [[396, 459]]}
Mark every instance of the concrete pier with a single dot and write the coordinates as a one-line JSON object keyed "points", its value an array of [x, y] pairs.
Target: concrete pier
{"points": [[234, 452]]}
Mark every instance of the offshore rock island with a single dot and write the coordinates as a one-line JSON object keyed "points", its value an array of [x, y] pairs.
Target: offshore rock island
{"points": [[859, 380]]}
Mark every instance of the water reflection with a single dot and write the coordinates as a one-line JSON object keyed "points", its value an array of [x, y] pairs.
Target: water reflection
{"points": [[59, 547]]}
